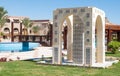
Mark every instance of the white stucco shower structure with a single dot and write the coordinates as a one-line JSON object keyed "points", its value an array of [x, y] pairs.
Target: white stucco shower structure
{"points": [[85, 35]]}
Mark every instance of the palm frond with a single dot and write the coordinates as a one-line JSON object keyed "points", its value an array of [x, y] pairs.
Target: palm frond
{"points": [[26, 22], [3, 16], [35, 29]]}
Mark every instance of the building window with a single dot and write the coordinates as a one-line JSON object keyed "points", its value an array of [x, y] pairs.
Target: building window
{"points": [[55, 40], [56, 32], [87, 15], [82, 10], [15, 29], [56, 49], [56, 25], [88, 32], [30, 31], [74, 10], [67, 11], [88, 40], [8, 20], [87, 23], [16, 20], [6, 30]]}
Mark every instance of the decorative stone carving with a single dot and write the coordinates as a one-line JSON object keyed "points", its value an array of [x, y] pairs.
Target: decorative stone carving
{"points": [[81, 34]]}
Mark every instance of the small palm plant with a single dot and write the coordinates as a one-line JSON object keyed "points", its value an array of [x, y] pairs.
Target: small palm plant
{"points": [[35, 29]]}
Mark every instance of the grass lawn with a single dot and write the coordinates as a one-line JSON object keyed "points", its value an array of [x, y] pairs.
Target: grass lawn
{"points": [[117, 54], [27, 68]]}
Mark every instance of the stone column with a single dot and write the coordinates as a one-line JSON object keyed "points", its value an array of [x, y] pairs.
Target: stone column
{"points": [[12, 34], [109, 35], [118, 36], [40, 38], [20, 37]]}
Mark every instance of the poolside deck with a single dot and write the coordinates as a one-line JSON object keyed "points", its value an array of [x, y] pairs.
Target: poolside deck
{"points": [[36, 53]]}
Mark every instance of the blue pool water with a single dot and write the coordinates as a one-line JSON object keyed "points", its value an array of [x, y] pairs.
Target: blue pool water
{"points": [[17, 46]]}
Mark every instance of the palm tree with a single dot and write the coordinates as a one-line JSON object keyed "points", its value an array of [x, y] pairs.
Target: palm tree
{"points": [[3, 18], [35, 29], [27, 24]]}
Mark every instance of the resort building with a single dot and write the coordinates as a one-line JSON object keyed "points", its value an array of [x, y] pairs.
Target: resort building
{"points": [[43, 26], [112, 31], [14, 29], [8, 28]]}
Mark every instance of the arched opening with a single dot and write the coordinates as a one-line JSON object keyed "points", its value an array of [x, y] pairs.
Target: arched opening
{"points": [[16, 31], [66, 37], [7, 33], [30, 31], [99, 39], [7, 30]]}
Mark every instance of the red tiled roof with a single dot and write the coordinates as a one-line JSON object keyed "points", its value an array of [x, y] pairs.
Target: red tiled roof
{"points": [[112, 26]]}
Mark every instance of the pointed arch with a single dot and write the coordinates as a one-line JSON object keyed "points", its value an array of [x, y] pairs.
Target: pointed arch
{"points": [[99, 39]]}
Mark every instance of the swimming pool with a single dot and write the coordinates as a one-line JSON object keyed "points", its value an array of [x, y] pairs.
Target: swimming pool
{"points": [[17, 46]]}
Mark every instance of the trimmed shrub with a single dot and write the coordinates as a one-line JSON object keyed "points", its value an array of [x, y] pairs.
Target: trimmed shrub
{"points": [[114, 46]]}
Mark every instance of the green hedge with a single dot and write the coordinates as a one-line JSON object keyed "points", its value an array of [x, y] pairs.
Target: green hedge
{"points": [[114, 46]]}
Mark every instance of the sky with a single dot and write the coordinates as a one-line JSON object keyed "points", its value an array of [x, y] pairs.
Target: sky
{"points": [[43, 9]]}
